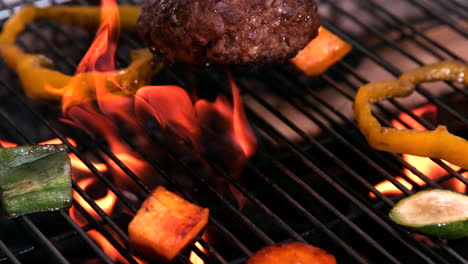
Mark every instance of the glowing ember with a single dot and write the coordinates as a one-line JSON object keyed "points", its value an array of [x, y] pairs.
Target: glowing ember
{"points": [[424, 165]]}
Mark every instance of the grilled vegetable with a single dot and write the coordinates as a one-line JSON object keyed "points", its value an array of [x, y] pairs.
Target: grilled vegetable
{"points": [[438, 143], [438, 213], [321, 53], [164, 225], [34, 179], [44, 84], [291, 253]]}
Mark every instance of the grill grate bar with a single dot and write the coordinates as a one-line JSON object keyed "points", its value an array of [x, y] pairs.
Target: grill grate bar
{"points": [[76, 187], [107, 152], [407, 165], [203, 181], [93, 246], [8, 253], [360, 142], [430, 97], [394, 71], [211, 250], [337, 136], [395, 182], [458, 4], [85, 197], [349, 140], [305, 187], [301, 156], [352, 252], [188, 197], [345, 169], [88, 164], [42, 240], [86, 238], [415, 31], [231, 237], [423, 177], [427, 125], [123, 251], [453, 9], [441, 17], [276, 220], [397, 48], [121, 165], [296, 205]]}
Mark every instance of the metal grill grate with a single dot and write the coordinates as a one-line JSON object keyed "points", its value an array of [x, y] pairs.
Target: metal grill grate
{"points": [[312, 174]]}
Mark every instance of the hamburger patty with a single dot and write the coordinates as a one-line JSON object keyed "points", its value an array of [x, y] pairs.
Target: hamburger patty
{"points": [[227, 31]]}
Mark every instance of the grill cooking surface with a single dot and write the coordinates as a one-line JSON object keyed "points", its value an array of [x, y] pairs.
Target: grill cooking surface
{"points": [[312, 175]]}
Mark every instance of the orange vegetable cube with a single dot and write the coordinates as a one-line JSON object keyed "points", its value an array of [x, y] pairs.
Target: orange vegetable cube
{"points": [[321, 53], [164, 225], [291, 253]]}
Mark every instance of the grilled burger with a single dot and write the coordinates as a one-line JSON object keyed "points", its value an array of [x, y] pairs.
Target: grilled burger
{"points": [[203, 32]]}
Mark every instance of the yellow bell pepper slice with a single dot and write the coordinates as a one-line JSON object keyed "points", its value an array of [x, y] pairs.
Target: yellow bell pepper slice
{"points": [[438, 143], [40, 82]]}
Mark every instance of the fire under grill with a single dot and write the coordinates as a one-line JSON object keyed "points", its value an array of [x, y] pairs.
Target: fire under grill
{"points": [[313, 177]]}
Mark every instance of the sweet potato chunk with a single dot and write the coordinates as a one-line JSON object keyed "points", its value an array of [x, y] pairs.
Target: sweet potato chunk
{"points": [[321, 53], [164, 225], [291, 253]]}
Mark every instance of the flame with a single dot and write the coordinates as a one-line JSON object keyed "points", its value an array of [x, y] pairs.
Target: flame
{"points": [[98, 58], [424, 165], [194, 258], [241, 132], [189, 119], [171, 106], [106, 203], [108, 248], [7, 144]]}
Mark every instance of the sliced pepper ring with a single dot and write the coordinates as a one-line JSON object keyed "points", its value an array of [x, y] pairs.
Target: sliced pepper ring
{"points": [[44, 84], [438, 143]]}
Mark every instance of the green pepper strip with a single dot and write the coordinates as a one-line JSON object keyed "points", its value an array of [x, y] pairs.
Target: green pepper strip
{"points": [[42, 83], [34, 179], [438, 143]]}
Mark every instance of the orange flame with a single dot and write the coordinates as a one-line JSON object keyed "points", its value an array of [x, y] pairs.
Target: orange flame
{"points": [[194, 258], [242, 130], [106, 203], [98, 58], [108, 248], [424, 165], [159, 101], [170, 105]]}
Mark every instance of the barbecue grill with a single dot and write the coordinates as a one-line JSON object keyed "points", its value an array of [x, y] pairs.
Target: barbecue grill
{"points": [[313, 177]]}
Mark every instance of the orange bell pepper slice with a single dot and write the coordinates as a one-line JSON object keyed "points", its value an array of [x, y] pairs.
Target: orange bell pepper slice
{"points": [[321, 53]]}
